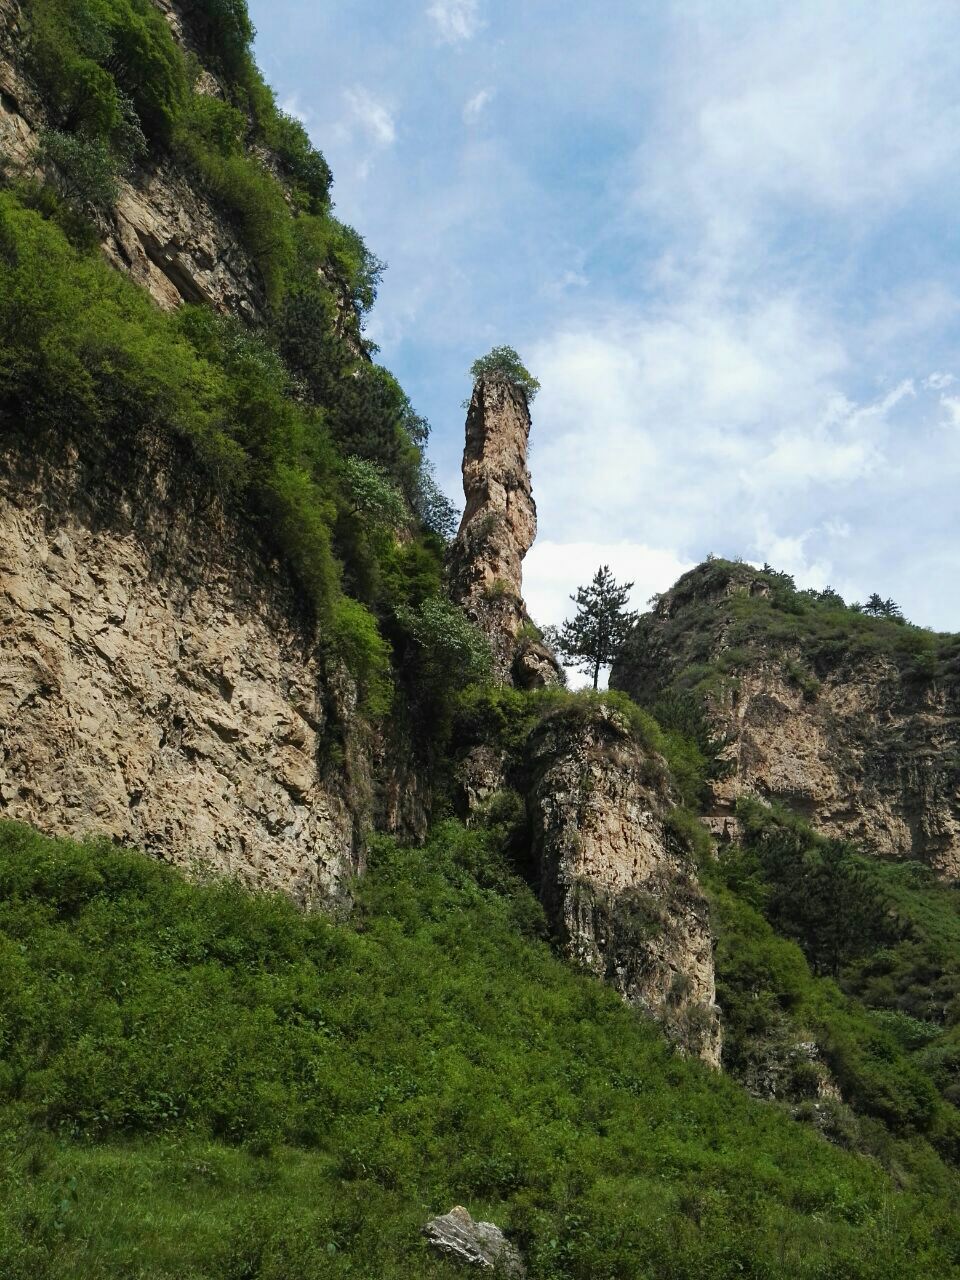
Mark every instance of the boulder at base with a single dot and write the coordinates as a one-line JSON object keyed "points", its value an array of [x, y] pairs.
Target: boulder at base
{"points": [[476, 1244]]}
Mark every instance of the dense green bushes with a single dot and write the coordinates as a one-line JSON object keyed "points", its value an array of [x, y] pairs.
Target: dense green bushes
{"points": [[106, 66], [233, 1088], [892, 949], [210, 140]]}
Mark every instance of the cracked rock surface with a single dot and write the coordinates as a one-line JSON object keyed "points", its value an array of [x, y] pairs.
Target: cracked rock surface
{"points": [[474, 1244], [154, 688]]}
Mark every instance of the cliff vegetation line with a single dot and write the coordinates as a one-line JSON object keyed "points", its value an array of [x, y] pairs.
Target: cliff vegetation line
{"points": [[304, 435]]}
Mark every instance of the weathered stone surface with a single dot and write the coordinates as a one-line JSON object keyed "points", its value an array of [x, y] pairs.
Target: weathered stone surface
{"points": [[170, 240], [618, 886], [479, 775], [476, 1244], [155, 685], [497, 530], [851, 746]]}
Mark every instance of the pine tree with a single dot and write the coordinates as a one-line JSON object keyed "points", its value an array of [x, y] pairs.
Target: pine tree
{"points": [[877, 607], [594, 637]]}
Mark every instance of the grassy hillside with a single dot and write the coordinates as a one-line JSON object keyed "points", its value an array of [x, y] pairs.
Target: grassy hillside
{"points": [[820, 942], [197, 1082]]}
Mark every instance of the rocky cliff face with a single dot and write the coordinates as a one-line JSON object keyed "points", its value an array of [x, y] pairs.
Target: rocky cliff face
{"points": [[617, 884], [847, 737], [497, 530], [155, 685]]}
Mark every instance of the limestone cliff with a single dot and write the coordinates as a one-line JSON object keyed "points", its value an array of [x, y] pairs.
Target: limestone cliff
{"points": [[497, 530], [839, 719], [158, 682], [155, 684], [617, 883]]}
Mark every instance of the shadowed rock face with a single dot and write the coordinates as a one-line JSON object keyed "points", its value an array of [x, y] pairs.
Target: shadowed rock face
{"points": [[618, 887], [497, 530]]}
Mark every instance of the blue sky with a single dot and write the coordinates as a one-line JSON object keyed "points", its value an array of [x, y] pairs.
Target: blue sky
{"points": [[724, 235]]}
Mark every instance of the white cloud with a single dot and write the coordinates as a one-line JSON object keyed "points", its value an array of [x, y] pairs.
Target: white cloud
{"points": [[797, 109], [952, 406], [939, 381], [475, 106], [372, 117], [455, 20], [291, 107], [788, 552]]}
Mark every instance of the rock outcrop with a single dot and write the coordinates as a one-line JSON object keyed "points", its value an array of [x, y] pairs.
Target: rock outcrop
{"points": [[497, 530], [851, 741], [457, 1236], [155, 685], [162, 230], [617, 883]]}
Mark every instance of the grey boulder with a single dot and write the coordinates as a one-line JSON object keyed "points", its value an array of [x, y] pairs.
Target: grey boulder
{"points": [[475, 1244]]}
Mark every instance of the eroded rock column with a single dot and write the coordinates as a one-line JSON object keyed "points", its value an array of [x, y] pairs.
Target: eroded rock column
{"points": [[497, 530]]}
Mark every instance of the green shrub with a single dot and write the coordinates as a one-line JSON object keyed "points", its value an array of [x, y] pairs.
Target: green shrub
{"points": [[200, 1081], [224, 33], [210, 141], [502, 364], [358, 641], [91, 58], [84, 171], [371, 494], [302, 164]]}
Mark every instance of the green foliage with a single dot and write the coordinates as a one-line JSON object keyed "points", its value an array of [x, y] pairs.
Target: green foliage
{"points": [[303, 165], [502, 364], [372, 494], [451, 652], [884, 1026], [111, 73], [197, 1081], [83, 170], [433, 508], [224, 33], [358, 641], [821, 891], [814, 631], [91, 58], [594, 637], [210, 141]]}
